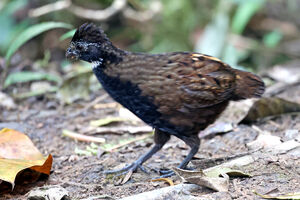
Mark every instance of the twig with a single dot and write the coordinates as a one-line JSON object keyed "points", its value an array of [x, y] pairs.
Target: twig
{"points": [[81, 137], [118, 130], [52, 7], [88, 106], [142, 16], [96, 101], [106, 105], [169, 181], [99, 15], [117, 6]]}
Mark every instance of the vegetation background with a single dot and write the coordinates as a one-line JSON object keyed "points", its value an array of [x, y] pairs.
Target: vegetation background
{"points": [[251, 35]]}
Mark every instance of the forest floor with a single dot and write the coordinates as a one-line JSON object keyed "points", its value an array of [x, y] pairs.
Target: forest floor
{"points": [[43, 119]]}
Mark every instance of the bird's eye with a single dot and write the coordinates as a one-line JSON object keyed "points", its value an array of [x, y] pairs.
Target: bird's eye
{"points": [[79, 47]]}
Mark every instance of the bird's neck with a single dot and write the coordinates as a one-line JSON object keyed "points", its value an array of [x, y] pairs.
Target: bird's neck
{"points": [[109, 54], [112, 54]]}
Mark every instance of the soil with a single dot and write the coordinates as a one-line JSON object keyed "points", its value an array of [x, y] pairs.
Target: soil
{"points": [[43, 119]]}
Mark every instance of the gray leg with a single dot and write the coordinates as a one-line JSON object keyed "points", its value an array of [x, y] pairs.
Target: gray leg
{"points": [[194, 142], [160, 139]]}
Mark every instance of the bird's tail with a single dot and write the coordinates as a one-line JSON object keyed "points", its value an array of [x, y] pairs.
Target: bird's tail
{"points": [[248, 85]]}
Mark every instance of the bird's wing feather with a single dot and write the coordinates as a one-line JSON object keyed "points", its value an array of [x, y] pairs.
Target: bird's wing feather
{"points": [[179, 81]]}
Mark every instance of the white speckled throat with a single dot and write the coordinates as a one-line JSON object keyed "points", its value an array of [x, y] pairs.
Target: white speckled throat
{"points": [[97, 63]]}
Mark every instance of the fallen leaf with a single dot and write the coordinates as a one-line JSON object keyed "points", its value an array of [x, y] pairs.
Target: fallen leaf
{"points": [[217, 171], [271, 106], [127, 114], [265, 141], [295, 195], [75, 87], [199, 178], [106, 121], [90, 150], [17, 152], [49, 193], [127, 177], [220, 127], [6, 101], [287, 72], [291, 134], [216, 178], [82, 152], [26, 76], [24, 95]]}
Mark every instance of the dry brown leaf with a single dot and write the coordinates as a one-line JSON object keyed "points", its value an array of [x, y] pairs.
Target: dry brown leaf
{"points": [[271, 106], [17, 152], [217, 178], [199, 178]]}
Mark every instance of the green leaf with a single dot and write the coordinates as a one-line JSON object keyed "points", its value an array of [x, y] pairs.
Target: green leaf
{"points": [[243, 14], [272, 39], [26, 76], [68, 34], [34, 93], [82, 152], [214, 36], [30, 33]]}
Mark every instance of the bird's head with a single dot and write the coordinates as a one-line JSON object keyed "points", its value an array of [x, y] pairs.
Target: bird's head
{"points": [[88, 43]]}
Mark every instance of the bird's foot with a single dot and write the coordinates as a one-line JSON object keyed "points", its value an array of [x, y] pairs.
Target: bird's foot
{"points": [[168, 173], [129, 168], [165, 173]]}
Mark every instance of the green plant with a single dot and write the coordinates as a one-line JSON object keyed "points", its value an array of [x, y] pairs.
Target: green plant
{"points": [[25, 36], [31, 32]]}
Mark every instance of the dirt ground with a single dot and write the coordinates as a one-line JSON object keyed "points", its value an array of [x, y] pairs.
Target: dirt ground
{"points": [[43, 119]]}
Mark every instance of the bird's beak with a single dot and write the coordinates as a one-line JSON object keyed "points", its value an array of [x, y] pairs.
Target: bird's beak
{"points": [[72, 54]]}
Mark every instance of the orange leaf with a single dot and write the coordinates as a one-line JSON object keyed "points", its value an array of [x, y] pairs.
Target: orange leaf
{"points": [[17, 152]]}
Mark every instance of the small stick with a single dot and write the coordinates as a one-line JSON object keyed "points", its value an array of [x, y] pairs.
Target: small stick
{"points": [[169, 181], [81, 137]]}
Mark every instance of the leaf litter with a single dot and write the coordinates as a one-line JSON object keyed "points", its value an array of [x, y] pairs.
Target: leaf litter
{"points": [[17, 152]]}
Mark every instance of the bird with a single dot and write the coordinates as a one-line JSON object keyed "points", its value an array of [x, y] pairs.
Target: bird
{"points": [[177, 93]]}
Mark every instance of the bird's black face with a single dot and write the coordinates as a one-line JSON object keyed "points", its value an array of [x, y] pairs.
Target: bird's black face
{"points": [[90, 52]]}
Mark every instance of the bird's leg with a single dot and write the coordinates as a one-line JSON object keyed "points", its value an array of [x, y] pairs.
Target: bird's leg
{"points": [[160, 139], [192, 141]]}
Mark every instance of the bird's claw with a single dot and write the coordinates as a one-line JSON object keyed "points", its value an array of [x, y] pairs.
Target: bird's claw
{"points": [[132, 167], [165, 174]]}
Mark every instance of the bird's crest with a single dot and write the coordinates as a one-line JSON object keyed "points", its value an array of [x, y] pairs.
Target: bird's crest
{"points": [[89, 32]]}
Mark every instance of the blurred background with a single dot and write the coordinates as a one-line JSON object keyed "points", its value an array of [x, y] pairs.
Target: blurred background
{"points": [[252, 35]]}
